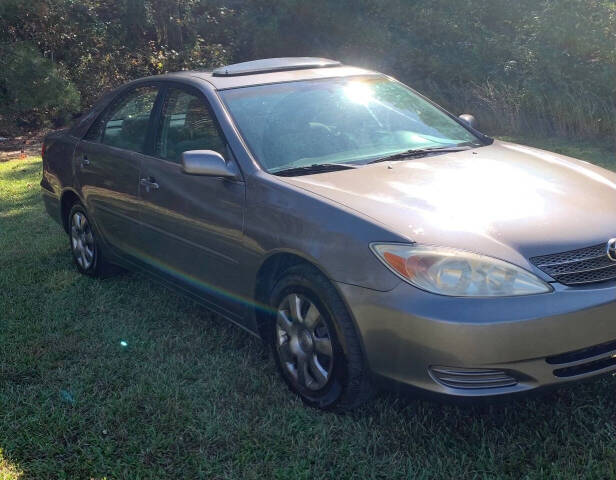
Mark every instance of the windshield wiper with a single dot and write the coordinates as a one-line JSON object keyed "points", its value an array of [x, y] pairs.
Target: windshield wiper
{"points": [[316, 168], [420, 152]]}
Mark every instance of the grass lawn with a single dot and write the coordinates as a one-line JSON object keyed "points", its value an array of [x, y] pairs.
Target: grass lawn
{"points": [[121, 378]]}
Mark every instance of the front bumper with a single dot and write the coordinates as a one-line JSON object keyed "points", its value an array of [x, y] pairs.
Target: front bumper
{"points": [[406, 332]]}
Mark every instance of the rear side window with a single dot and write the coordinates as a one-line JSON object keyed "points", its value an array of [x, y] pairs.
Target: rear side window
{"points": [[186, 124], [125, 123]]}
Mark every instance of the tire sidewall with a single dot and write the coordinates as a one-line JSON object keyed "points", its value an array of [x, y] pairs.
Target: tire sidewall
{"points": [[326, 397]]}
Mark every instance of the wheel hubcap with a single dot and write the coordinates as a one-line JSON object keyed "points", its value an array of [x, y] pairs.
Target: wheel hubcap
{"points": [[303, 342], [82, 240]]}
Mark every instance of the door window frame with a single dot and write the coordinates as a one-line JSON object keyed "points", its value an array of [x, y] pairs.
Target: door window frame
{"points": [[158, 119], [117, 99]]}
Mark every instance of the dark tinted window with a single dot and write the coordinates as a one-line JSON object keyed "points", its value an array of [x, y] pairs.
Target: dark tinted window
{"points": [[125, 123], [187, 124]]}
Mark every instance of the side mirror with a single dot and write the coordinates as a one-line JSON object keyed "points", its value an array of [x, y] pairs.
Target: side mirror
{"points": [[206, 162], [470, 120]]}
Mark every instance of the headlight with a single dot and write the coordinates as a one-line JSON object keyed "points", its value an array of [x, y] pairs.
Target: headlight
{"points": [[447, 271]]}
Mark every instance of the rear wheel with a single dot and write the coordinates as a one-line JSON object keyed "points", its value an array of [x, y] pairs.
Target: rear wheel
{"points": [[315, 345], [84, 244]]}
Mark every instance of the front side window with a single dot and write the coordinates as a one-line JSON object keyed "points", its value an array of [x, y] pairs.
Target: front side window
{"points": [[125, 124], [338, 120], [186, 124]]}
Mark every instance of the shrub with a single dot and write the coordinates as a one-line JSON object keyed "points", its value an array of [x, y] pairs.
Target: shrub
{"points": [[33, 89]]}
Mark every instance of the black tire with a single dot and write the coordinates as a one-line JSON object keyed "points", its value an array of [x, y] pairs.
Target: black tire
{"points": [[92, 264], [347, 383]]}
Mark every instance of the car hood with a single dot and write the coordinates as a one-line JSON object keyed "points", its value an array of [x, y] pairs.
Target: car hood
{"points": [[505, 200]]}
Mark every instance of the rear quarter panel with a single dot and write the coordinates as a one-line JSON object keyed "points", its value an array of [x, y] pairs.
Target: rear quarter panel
{"points": [[58, 164], [57, 170]]}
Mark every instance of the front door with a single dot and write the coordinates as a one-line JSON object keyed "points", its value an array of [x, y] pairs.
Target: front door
{"points": [[192, 226], [107, 170]]}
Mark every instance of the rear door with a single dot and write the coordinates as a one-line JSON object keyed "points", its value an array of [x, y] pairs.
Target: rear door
{"points": [[192, 226], [107, 168]]}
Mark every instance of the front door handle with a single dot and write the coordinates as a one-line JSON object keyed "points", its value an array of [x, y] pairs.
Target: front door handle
{"points": [[149, 183], [84, 161]]}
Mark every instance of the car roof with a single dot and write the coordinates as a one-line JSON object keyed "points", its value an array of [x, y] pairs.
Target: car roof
{"points": [[273, 70]]}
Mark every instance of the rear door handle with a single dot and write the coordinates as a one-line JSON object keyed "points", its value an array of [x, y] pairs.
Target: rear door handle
{"points": [[149, 183], [84, 161]]}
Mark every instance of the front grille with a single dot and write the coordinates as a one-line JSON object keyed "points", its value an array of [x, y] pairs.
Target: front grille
{"points": [[472, 377], [599, 357], [577, 267]]}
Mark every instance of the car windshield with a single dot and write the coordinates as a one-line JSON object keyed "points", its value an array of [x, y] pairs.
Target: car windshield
{"points": [[338, 121]]}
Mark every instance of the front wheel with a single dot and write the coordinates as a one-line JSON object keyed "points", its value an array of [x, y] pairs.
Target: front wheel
{"points": [[315, 345]]}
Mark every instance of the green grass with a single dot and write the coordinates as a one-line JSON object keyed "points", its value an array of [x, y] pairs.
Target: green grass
{"points": [[193, 397]]}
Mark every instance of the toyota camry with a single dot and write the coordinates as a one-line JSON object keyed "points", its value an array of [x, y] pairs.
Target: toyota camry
{"points": [[368, 236]]}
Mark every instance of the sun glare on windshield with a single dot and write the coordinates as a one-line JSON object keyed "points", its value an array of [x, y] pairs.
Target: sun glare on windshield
{"points": [[359, 92], [337, 120]]}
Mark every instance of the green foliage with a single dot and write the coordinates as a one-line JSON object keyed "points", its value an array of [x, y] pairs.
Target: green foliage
{"points": [[543, 66], [546, 66], [99, 44]]}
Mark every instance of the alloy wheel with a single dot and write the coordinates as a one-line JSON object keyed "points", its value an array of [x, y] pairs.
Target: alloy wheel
{"points": [[304, 342], [82, 240]]}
